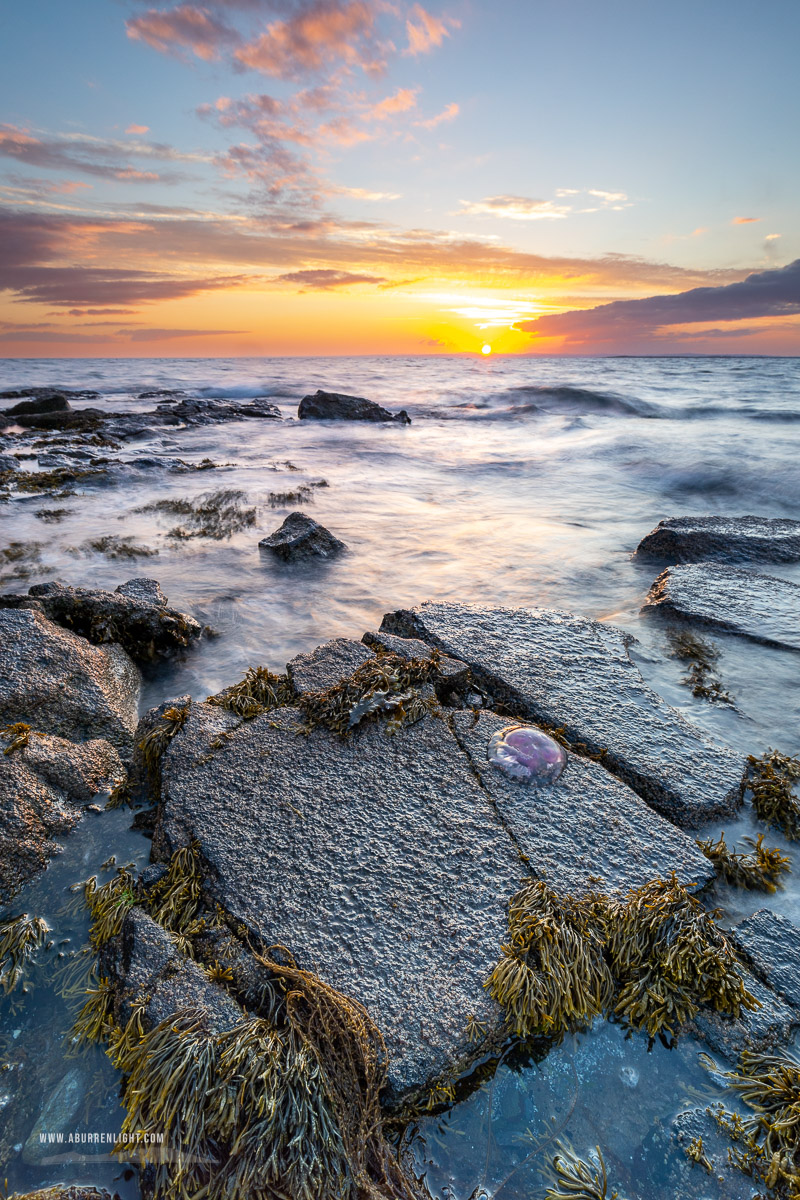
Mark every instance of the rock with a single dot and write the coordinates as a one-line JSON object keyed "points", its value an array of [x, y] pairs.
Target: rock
{"points": [[144, 591], [334, 406], [454, 674], [136, 619], [73, 419], [300, 537], [565, 671], [8, 463], [691, 1180], [723, 539], [379, 861], [75, 1192], [587, 831], [771, 945], [730, 599], [42, 786], [57, 1117], [768, 1027], [59, 683], [327, 665], [52, 402]]}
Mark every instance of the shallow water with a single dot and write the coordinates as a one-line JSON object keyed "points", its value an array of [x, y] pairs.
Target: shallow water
{"points": [[519, 482]]}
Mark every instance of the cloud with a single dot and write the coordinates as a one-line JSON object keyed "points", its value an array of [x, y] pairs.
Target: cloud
{"points": [[89, 155], [182, 29], [772, 293], [364, 194], [449, 113], [99, 312], [53, 335], [425, 31], [163, 335], [324, 32], [138, 129], [517, 208], [325, 279], [402, 100], [745, 220]]}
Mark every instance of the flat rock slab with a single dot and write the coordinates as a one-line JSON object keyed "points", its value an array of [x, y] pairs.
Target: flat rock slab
{"points": [[42, 786], [379, 861], [770, 943], [731, 599], [135, 616], [568, 672], [59, 683], [721, 539], [764, 1029], [327, 665], [587, 831]]}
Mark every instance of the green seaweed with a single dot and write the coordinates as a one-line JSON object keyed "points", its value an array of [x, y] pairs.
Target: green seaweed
{"points": [[174, 900], [760, 868], [771, 780]]}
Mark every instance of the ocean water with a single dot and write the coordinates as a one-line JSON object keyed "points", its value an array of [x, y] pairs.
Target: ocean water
{"points": [[521, 481]]}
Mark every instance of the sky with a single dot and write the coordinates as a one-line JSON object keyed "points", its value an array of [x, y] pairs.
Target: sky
{"points": [[293, 177]]}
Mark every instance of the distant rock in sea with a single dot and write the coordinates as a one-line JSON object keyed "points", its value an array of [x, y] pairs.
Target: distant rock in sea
{"points": [[300, 537], [334, 406]]}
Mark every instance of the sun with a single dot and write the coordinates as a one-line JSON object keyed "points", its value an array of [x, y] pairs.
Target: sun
{"points": [[487, 349]]}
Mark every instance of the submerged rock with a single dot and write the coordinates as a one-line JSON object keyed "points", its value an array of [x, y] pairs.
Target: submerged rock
{"points": [[57, 1118], [571, 673], [723, 539], [586, 830], [770, 943], [300, 537], [135, 616], [43, 784], [74, 1192], [731, 599], [334, 406], [57, 682]]}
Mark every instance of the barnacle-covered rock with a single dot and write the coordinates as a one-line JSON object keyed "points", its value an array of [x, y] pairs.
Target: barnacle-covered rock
{"points": [[301, 537], [731, 599], [770, 943], [135, 616], [721, 539], [572, 674]]}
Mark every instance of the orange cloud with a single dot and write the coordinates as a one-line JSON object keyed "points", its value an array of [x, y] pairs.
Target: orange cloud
{"points": [[140, 129], [449, 113], [745, 220], [183, 28], [341, 31], [425, 31], [401, 101]]}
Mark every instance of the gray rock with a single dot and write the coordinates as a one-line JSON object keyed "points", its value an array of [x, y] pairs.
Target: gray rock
{"points": [[770, 943], [587, 831], [137, 619], [334, 406], [59, 683], [693, 1180], [52, 402], [327, 665], [144, 591], [300, 537], [42, 787], [379, 861], [453, 672], [722, 539], [566, 671], [8, 463], [57, 1116], [731, 599], [768, 1027]]}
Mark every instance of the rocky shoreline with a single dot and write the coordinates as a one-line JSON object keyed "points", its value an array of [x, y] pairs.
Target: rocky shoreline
{"points": [[346, 832]]}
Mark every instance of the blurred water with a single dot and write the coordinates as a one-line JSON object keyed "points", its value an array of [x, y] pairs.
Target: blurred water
{"points": [[519, 482]]}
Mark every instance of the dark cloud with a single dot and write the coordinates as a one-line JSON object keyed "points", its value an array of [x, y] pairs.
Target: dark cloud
{"points": [[773, 293], [325, 279], [162, 335], [91, 156]]}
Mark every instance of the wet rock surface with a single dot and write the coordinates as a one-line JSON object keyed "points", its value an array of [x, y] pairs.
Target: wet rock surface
{"points": [[692, 1178], [335, 406], [300, 537], [57, 1116], [327, 665], [58, 682], [43, 784], [568, 672], [379, 861], [75, 1192], [587, 830], [770, 943], [721, 539], [46, 403], [136, 616], [764, 1029], [730, 599]]}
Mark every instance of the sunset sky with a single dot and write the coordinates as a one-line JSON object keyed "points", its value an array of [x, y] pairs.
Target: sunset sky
{"points": [[246, 177]]}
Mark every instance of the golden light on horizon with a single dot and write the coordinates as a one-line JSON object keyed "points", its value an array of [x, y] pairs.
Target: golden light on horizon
{"points": [[486, 349]]}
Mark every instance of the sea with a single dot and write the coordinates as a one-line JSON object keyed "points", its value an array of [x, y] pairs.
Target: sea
{"points": [[521, 481]]}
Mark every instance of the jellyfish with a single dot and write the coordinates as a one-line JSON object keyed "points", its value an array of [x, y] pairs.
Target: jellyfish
{"points": [[525, 753]]}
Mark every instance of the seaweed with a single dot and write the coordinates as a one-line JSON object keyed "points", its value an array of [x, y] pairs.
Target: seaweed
{"points": [[769, 1084], [95, 1020], [301, 495], [58, 480], [259, 692], [770, 780], [52, 515], [17, 736], [760, 868], [552, 976], [154, 743], [695, 1152], [382, 686], [20, 938], [174, 900], [75, 975], [702, 657], [108, 905], [114, 546], [576, 1179], [215, 515]]}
